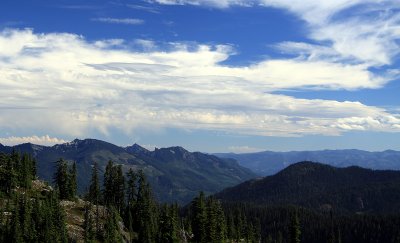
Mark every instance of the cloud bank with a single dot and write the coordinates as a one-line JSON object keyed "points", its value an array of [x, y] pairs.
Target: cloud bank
{"points": [[40, 140], [60, 83]]}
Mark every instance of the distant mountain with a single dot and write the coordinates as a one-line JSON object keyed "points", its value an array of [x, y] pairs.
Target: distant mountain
{"points": [[174, 173], [319, 186], [269, 163]]}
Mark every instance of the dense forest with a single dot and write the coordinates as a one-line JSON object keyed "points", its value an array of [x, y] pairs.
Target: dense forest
{"points": [[122, 209]]}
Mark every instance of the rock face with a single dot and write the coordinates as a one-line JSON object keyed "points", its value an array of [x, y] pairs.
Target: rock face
{"points": [[323, 187], [75, 217], [175, 174]]}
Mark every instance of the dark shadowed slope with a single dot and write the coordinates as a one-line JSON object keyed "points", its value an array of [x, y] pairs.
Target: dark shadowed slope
{"points": [[318, 186]]}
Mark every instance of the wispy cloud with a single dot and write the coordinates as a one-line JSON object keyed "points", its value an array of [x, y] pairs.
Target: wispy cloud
{"points": [[40, 140], [82, 7], [128, 21], [366, 31], [212, 3], [144, 8], [186, 87]]}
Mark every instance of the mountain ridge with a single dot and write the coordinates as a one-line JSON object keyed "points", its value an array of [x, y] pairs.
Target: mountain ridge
{"points": [[174, 173], [269, 162], [323, 187]]}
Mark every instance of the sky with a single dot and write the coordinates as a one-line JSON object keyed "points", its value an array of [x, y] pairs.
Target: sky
{"points": [[212, 75]]}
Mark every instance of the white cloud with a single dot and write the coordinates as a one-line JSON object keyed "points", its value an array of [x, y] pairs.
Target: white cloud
{"points": [[143, 8], [42, 140], [212, 3], [61, 84], [146, 44], [243, 149], [128, 21], [367, 31]]}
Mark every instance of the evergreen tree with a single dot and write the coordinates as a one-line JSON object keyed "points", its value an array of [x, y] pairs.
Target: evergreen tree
{"points": [[8, 176], [231, 227], [146, 212], [16, 231], [131, 199], [25, 171], [199, 218], [168, 228], [94, 194], [61, 179], [27, 223], [211, 221], [72, 183], [111, 232], [108, 185], [295, 228], [34, 169], [89, 234], [94, 188], [221, 223], [131, 187], [119, 189]]}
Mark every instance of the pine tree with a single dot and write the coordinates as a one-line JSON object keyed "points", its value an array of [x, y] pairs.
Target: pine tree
{"points": [[94, 188], [295, 228], [25, 171], [111, 232], [199, 218], [231, 227], [221, 223], [9, 176], [89, 234], [27, 223], [58, 229], [16, 231], [108, 184], [94, 194], [119, 189], [146, 212], [61, 179], [34, 169], [168, 228], [72, 183], [131, 201], [212, 221], [131, 187]]}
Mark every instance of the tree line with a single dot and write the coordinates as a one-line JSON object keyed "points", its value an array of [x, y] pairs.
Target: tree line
{"points": [[123, 209], [27, 214]]}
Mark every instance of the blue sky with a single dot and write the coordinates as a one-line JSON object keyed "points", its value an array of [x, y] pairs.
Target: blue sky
{"points": [[211, 75]]}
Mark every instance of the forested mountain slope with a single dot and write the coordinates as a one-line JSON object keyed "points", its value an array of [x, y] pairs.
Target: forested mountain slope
{"points": [[323, 187], [174, 173]]}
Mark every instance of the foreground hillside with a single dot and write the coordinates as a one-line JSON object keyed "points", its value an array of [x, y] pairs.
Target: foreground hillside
{"points": [[268, 163], [125, 211], [323, 187], [174, 173]]}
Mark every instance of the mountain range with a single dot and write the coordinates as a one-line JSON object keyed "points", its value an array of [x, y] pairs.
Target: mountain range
{"points": [[175, 174], [268, 163], [322, 187]]}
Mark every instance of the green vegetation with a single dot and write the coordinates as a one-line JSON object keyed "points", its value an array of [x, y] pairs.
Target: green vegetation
{"points": [[174, 174], [27, 213], [124, 210], [322, 187]]}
